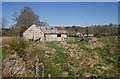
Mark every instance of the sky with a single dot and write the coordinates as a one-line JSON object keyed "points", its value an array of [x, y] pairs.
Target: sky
{"points": [[60, 0], [66, 13]]}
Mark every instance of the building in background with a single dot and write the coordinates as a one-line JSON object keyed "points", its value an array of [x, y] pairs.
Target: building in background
{"points": [[42, 33]]}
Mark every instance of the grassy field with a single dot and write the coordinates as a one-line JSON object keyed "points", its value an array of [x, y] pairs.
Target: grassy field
{"points": [[75, 59]]}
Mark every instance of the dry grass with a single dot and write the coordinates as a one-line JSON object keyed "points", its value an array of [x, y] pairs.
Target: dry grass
{"points": [[77, 59], [6, 40], [95, 45]]}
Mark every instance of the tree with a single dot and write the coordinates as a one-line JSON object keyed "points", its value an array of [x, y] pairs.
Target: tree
{"points": [[0, 27], [0, 22], [13, 31], [86, 31], [44, 24], [4, 22], [26, 18]]}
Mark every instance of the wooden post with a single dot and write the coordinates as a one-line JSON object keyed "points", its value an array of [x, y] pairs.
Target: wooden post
{"points": [[49, 76], [37, 66], [43, 71]]}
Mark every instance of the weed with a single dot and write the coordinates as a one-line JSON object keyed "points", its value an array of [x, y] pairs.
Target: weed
{"points": [[5, 54], [51, 69], [87, 49], [71, 73], [18, 44], [66, 68], [80, 72]]}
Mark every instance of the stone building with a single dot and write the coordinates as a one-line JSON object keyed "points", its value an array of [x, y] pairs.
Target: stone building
{"points": [[42, 33]]}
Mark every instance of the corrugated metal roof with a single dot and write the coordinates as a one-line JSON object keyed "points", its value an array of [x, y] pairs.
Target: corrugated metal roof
{"points": [[49, 30], [78, 33], [88, 35]]}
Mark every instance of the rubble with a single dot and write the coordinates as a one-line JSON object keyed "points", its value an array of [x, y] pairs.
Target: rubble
{"points": [[13, 66]]}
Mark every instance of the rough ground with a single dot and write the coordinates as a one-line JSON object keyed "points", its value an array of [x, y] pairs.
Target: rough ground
{"points": [[68, 59]]}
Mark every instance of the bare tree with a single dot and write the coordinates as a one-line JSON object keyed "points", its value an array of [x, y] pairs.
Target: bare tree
{"points": [[26, 18], [0, 27], [4, 22], [44, 24]]}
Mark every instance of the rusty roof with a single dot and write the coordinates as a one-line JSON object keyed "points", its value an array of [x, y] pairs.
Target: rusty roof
{"points": [[52, 30]]}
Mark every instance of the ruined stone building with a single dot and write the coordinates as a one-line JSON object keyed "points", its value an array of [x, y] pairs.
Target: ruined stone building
{"points": [[42, 33]]}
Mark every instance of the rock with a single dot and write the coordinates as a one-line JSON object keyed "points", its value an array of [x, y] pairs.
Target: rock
{"points": [[104, 68], [71, 54], [88, 74], [65, 74], [13, 65]]}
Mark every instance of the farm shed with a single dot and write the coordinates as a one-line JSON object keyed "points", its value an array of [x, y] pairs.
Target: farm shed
{"points": [[54, 34], [82, 34], [89, 35], [43, 33]]}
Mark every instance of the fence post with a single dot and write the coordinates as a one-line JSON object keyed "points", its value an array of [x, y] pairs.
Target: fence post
{"points": [[73, 39], [69, 38], [49, 76], [37, 67], [43, 71]]}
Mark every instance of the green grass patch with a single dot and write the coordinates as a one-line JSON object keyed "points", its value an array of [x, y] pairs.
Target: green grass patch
{"points": [[50, 68], [87, 49], [5, 54], [109, 37], [80, 72], [65, 68], [60, 58], [73, 62]]}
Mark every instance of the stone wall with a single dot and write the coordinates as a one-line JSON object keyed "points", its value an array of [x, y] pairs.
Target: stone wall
{"points": [[33, 33]]}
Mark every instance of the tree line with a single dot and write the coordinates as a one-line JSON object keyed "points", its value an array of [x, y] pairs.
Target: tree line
{"points": [[27, 17], [96, 30]]}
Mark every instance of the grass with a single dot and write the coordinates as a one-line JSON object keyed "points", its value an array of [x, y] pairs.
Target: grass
{"points": [[0, 57], [109, 37], [60, 61], [103, 52], [5, 53], [87, 49], [52, 69], [60, 57]]}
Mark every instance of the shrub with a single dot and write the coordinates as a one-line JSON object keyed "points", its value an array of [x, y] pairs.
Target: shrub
{"points": [[4, 53], [22, 30], [18, 44]]}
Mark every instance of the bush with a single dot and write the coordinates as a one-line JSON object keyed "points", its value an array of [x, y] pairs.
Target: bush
{"points": [[5, 54], [22, 30], [18, 44]]}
